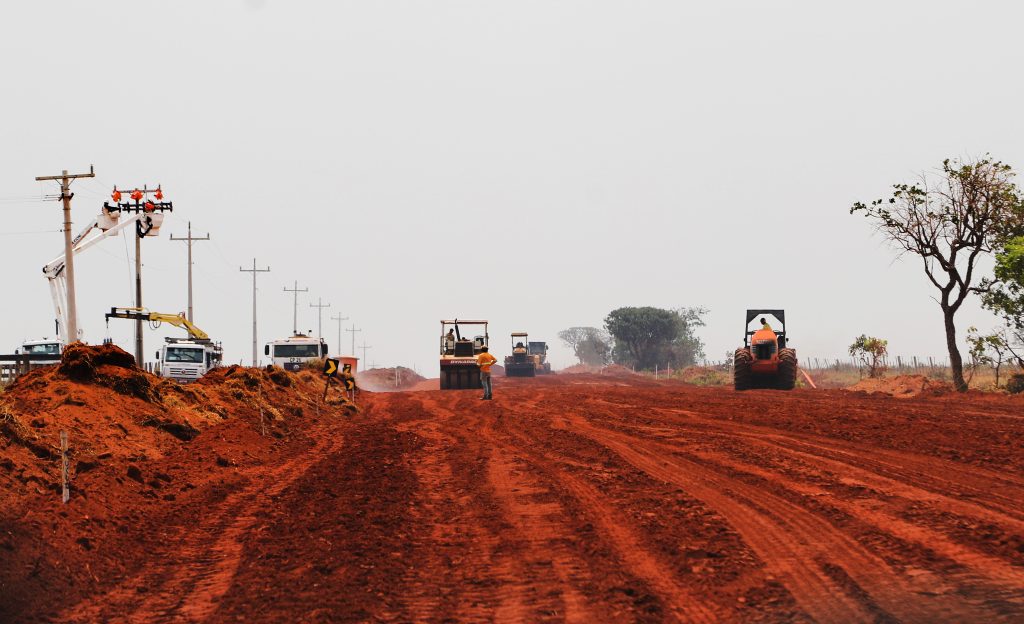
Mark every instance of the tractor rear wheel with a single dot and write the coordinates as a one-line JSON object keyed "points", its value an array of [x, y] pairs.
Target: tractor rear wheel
{"points": [[786, 379], [741, 376]]}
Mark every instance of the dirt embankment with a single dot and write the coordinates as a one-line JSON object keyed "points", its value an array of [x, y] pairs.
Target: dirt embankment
{"points": [[569, 498], [902, 386], [138, 445], [388, 379]]}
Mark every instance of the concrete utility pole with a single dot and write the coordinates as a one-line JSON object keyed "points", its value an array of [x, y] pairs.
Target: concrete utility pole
{"points": [[339, 318], [254, 271], [69, 256], [295, 306], [190, 239], [353, 332], [319, 305]]}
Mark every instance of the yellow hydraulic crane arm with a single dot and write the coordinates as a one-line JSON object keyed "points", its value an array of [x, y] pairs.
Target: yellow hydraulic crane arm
{"points": [[178, 320]]}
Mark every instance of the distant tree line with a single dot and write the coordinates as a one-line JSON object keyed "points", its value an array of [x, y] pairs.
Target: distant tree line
{"points": [[640, 337]]}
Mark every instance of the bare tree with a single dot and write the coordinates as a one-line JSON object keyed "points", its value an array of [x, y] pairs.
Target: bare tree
{"points": [[590, 345], [950, 221]]}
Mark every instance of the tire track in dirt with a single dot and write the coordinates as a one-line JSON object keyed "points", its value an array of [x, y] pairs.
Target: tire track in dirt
{"points": [[189, 578], [683, 604], [464, 554], [911, 476], [1004, 581], [818, 562], [523, 483], [526, 544]]}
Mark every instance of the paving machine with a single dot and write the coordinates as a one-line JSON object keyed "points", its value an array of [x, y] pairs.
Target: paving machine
{"points": [[520, 363], [765, 361], [539, 352], [459, 370]]}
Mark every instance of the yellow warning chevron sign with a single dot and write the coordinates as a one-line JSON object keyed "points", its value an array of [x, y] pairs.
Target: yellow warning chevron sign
{"points": [[330, 367]]}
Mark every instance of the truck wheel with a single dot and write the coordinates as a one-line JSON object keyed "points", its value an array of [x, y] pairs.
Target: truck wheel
{"points": [[786, 379], [741, 376]]}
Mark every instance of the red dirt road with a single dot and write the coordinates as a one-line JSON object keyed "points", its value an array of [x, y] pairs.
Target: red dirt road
{"points": [[580, 498]]}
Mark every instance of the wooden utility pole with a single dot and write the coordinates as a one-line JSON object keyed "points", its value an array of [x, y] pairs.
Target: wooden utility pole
{"points": [[254, 271], [295, 305], [320, 305], [190, 239], [353, 332], [339, 318], [69, 256]]}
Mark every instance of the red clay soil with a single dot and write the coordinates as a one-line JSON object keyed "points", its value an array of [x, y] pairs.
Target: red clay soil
{"points": [[903, 386], [388, 379], [575, 498]]}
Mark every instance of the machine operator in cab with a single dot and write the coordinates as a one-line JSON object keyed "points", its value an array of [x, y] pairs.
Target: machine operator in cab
{"points": [[765, 325], [485, 360]]}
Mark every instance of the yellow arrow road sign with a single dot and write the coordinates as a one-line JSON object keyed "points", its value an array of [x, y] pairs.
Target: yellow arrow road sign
{"points": [[330, 367]]}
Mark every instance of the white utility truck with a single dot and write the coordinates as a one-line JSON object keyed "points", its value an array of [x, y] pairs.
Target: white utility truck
{"points": [[181, 359]]}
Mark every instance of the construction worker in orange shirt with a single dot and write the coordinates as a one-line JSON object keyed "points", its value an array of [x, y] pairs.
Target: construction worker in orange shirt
{"points": [[485, 360]]}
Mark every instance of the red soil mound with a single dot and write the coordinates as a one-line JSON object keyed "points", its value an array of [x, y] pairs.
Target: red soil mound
{"points": [[388, 379], [122, 423], [903, 386]]}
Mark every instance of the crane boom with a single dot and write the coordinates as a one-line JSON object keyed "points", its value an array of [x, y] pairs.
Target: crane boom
{"points": [[109, 223], [178, 320]]}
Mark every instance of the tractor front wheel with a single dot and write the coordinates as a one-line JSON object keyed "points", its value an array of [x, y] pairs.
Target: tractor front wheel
{"points": [[741, 376], [787, 369]]}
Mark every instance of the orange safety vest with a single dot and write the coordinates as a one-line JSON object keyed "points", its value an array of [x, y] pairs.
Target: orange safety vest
{"points": [[485, 361]]}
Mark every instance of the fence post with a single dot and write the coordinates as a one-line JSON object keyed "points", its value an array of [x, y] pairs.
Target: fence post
{"points": [[65, 494]]}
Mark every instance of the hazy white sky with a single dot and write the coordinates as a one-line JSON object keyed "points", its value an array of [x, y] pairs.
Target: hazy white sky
{"points": [[534, 163]]}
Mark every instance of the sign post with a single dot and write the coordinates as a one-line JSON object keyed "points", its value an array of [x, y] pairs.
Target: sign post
{"points": [[330, 372]]}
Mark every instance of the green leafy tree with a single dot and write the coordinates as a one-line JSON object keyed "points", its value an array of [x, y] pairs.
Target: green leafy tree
{"points": [[994, 349], [950, 221], [871, 352], [590, 345], [1005, 293], [646, 337]]}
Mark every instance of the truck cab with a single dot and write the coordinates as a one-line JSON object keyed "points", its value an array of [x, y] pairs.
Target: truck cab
{"points": [[42, 348], [187, 360], [293, 353]]}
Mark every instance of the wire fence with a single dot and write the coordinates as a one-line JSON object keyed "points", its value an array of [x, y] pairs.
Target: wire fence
{"points": [[896, 363]]}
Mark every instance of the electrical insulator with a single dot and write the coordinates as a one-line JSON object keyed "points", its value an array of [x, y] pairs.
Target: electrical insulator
{"points": [[116, 196], [159, 194], [136, 195], [149, 206]]}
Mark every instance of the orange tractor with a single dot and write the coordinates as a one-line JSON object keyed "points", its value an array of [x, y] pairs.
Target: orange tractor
{"points": [[765, 361]]}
